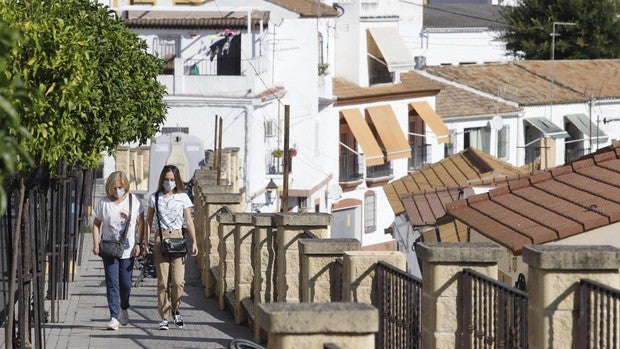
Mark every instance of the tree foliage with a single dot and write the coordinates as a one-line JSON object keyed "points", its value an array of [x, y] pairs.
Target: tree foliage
{"points": [[93, 85], [596, 33], [11, 89]]}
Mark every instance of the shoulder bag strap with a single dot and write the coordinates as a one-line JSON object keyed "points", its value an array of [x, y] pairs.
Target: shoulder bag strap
{"points": [[157, 213], [128, 219]]}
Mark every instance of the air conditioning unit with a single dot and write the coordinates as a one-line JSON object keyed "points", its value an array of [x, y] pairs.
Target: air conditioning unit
{"points": [[271, 128]]}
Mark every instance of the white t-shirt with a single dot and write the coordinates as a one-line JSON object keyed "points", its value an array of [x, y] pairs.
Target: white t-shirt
{"points": [[113, 219], [170, 209]]}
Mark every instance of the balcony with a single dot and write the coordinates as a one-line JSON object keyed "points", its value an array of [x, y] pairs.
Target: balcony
{"points": [[379, 175], [203, 77]]}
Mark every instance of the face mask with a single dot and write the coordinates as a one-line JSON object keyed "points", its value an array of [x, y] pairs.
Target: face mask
{"points": [[120, 192], [169, 185]]}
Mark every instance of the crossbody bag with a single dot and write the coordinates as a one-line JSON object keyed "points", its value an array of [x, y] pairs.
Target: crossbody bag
{"points": [[172, 247], [113, 248]]}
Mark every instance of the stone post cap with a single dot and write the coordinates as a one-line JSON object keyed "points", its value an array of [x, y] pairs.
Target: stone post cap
{"points": [[328, 246], [203, 187], [326, 318], [468, 252], [572, 257], [303, 219]]}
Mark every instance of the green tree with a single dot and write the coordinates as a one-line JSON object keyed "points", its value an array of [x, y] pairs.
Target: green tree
{"points": [[11, 88], [596, 33], [89, 86], [94, 86]]}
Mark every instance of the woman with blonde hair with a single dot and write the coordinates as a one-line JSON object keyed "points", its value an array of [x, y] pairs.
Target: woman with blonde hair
{"points": [[119, 221]]}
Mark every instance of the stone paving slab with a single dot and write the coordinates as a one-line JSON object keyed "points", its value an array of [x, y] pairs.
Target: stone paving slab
{"points": [[83, 318]]}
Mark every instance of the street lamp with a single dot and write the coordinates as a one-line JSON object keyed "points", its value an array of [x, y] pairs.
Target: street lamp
{"points": [[553, 35], [269, 197]]}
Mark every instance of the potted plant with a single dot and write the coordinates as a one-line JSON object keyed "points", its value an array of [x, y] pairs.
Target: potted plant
{"points": [[292, 152], [277, 153]]}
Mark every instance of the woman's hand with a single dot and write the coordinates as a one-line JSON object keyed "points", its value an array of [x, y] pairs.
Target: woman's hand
{"points": [[96, 249], [136, 250], [194, 250]]}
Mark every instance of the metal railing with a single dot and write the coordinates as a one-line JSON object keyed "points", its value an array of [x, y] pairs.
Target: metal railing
{"points": [[384, 170], [493, 315], [47, 241], [350, 168], [398, 300], [599, 316], [419, 156]]}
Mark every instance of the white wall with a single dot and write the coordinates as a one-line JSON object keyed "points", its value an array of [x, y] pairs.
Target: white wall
{"points": [[457, 47]]}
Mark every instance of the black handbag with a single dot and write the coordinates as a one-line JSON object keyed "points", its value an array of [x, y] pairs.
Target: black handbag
{"points": [[172, 247], [113, 248]]}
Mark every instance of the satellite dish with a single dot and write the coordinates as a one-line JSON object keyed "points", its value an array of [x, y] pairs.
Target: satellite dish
{"points": [[334, 191], [496, 123]]}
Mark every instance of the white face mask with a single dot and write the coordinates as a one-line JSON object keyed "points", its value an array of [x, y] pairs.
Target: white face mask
{"points": [[169, 185], [120, 192]]}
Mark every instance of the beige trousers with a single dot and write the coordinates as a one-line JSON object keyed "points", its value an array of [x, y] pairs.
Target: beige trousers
{"points": [[170, 276]]}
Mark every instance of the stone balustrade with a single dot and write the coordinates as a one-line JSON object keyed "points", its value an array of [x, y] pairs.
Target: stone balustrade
{"points": [[280, 274]]}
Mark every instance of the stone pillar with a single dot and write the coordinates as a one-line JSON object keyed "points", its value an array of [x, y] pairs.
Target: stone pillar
{"points": [[264, 259], [313, 325], [553, 279], [292, 227], [358, 283], [322, 268], [442, 264], [210, 254], [244, 272], [226, 249]]}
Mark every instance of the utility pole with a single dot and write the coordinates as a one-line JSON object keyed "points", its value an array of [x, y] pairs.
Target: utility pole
{"points": [[287, 158]]}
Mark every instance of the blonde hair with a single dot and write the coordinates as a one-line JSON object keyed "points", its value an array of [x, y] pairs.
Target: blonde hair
{"points": [[110, 184]]}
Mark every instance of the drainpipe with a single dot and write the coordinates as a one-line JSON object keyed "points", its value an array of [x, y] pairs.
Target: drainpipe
{"points": [[246, 147]]}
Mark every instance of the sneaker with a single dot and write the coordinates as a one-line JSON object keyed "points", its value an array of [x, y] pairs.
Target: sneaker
{"points": [[163, 325], [113, 324], [124, 318], [178, 320]]}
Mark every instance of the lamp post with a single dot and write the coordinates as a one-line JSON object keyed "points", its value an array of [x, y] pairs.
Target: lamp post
{"points": [[553, 35]]}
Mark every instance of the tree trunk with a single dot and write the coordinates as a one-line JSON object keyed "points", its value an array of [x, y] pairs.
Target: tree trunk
{"points": [[10, 326], [28, 273]]}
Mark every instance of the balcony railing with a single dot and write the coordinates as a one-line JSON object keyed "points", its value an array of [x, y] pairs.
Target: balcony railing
{"points": [[350, 168], [419, 156], [384, 170]]}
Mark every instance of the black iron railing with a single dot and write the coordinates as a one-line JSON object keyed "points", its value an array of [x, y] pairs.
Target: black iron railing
{"points": [[599, 316], [398, 300], [350, 168], [384, 170], [493, 315]]}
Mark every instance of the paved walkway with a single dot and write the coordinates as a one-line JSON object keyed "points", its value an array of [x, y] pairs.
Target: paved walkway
{"points": [[83, 318]]}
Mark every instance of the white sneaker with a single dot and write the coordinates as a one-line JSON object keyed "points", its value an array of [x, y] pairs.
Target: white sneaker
{"points": [[113, 324], [124, 318], [178, 320], [163, 325]]}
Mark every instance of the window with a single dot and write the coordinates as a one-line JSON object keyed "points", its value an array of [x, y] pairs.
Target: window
{"points": [[165, 47], [270, 128], [502, 142], [479, 138], [370, 216]]}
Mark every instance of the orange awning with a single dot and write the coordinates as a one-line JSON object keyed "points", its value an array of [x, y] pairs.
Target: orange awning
{"points": [[432, 120], [391, 135], [363, 135]]}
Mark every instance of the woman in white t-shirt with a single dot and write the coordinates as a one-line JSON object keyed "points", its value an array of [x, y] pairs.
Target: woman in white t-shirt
{"points": [[172, 211], [113, 220]]}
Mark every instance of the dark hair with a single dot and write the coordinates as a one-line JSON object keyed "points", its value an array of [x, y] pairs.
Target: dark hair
{"points": [[180, 188]]}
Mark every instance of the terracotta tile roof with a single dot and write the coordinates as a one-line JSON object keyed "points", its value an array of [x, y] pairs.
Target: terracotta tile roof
{"points": [[453, 101], [457, 169], [193, 19], [437, 15], [306, 8], [550, 205], [412, 85], [529, 82]]}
